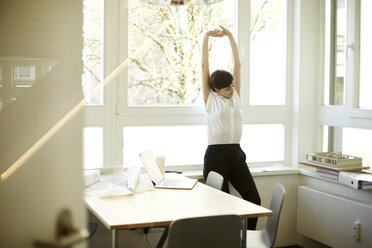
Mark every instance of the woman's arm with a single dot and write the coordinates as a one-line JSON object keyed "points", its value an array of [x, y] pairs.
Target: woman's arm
{"points": [[205, 61], [205, 67], [236, 69]]}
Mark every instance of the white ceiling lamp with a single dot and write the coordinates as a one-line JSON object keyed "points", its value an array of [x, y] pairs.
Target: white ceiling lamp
{"points": [[181, 2]]}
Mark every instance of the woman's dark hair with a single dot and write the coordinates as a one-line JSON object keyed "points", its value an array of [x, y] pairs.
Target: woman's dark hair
{"points": [[220, 79]]}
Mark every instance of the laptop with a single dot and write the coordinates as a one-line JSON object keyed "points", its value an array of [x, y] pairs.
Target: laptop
{"points": [[157, 177]]}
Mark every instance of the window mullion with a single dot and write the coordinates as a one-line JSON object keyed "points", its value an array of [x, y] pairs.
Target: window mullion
{"points": [[351, 93]]}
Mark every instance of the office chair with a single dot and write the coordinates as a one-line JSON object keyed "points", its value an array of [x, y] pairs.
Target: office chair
{"points": [[92, 228], [266, 237], [214, 180], [219, 231]]}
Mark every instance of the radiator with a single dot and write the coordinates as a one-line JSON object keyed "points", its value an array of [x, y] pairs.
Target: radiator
{"points": [[333, 220]]}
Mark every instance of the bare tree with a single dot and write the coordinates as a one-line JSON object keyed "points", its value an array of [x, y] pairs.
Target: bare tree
{"points": [[169, 70]]}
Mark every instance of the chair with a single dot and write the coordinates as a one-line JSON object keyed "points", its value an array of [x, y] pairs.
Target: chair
{"points": [[214, 180], [266, 237], [220, 231], [92, 228]]}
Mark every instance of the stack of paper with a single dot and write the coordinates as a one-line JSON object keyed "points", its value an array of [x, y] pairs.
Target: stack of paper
{"points": [[327, 173], [356, 180], [111, 185]]}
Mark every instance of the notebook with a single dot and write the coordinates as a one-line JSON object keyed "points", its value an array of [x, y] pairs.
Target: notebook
{"points": [[157, 177]]}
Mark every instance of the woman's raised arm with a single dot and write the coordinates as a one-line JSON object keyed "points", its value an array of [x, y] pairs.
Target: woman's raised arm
{"points": [[234, 49], [205, 61], [205, 67]]}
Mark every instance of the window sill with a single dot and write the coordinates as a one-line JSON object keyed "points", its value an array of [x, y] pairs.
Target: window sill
{"points": [[272, 170]]}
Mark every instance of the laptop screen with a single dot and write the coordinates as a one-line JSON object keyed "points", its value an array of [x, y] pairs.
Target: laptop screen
{"points": [[151, 166]]}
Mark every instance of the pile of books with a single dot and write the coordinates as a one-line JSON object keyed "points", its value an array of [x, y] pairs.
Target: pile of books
{"points": [[327, 173]]}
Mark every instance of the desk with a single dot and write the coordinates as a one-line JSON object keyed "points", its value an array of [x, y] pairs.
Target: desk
{"points": [[160, 207]]}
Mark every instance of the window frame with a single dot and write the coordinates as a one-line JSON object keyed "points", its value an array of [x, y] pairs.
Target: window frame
{"points": [[114, 114], [349, 115]]}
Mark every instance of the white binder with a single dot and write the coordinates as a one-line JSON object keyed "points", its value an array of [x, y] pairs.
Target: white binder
{"points": [[356, 180]]}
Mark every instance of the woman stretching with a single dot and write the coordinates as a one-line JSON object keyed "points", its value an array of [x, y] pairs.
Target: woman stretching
{"points": [[223, 107]]}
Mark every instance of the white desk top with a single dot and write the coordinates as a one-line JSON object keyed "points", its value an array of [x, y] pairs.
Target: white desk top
{"points": [[160, 207]]}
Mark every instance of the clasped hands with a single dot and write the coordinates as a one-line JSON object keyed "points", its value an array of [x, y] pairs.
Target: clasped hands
{"points": [[220, 32]]}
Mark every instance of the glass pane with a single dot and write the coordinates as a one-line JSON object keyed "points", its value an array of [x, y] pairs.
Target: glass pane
{"points": [[23, 76], [181, 145], [335, 56], [267, 80], [93, 147], [327, 50], [18, 75], [167, 70], [325, 146], [92, 51], [263, 142], [365, 83], [340, 52], [358, 142]]}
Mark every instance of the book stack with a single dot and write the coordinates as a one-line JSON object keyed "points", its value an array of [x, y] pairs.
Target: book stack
{"points": [[327, 173]]}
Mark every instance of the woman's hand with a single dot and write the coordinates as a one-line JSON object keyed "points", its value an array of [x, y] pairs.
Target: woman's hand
{"points": [[216, 33], [225, 32]]}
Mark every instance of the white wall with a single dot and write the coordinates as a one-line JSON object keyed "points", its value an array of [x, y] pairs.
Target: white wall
{"points": [[50, 179]]}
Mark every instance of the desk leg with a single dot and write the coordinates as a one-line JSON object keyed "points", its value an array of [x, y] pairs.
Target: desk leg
{"points": [[244, 234], [114, 238], [163, 238]]}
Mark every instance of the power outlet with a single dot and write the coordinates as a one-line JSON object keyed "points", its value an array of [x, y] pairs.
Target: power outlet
{"points": [[357, 230]]}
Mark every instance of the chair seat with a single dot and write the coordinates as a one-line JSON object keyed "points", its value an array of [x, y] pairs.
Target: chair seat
{"points": [[257, 239], [220, 231]]}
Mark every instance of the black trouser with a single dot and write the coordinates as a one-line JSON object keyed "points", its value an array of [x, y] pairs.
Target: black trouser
{"points": [[229, 161]]}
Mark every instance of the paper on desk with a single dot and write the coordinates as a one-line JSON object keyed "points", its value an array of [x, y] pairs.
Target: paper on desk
{"points": [[132, 177], [117, 185]]}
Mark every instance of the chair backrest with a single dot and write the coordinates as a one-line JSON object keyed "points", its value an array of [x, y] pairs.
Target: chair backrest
{"points": [[276, 206], [214, 180], [220, 231]]}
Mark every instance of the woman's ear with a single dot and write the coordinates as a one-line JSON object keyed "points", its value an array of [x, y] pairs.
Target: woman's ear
{"points": [[216, 90]]}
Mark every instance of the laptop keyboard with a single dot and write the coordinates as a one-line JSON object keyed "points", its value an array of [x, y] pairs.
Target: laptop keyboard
{"points": [[171, 182]]}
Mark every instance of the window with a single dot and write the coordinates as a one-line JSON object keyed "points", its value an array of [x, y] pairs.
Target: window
{"points": [[23, 76], [335, 47], [354, 142], [166, 69], [267, 40], [264, 142], [346, 129], [17, 75], [93, 147], [150, 59], [92, 51], [365, 77], [180, 145]]}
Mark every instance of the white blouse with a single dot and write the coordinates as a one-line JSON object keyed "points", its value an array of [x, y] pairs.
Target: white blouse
{"points": [[224, 118]]}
